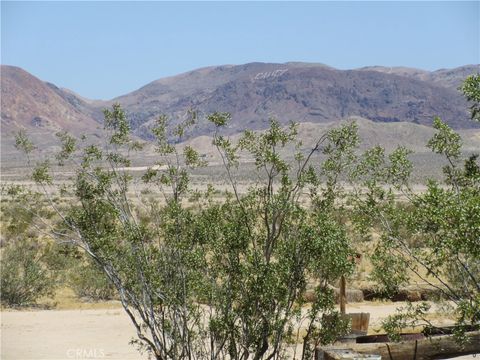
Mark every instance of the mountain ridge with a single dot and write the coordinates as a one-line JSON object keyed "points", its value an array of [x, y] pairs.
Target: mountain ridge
{"points": [[253, 92], [29, 103]]}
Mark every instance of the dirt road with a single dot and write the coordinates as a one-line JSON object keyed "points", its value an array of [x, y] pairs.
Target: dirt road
{"points": [[95, 334], [67, 334]]}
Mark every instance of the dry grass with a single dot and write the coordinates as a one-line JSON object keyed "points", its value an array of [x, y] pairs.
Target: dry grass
{"points": [[65, 299]]}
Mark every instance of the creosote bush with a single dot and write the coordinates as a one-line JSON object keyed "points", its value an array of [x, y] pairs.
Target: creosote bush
{"points": [[434, 235], [26, 272], [25, 276], [221, 277], [202, 276], [88, 281]]}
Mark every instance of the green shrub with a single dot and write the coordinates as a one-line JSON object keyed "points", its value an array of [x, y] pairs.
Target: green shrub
{"points": [[88, 281], [25, 276]]}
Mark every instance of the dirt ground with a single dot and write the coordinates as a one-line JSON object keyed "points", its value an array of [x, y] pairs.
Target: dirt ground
{"points": [[96, 333], [67, 334]]}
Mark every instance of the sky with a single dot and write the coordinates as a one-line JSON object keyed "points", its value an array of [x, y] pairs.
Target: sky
{"points": [[102, 50]]}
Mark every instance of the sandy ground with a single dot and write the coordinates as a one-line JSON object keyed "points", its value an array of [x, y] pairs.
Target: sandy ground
{"points": [[67, 334], [95, 334]]}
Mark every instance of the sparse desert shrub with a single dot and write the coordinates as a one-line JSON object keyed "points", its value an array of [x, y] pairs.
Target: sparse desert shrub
{"points": [[88, 281], [436, 236], [246, 257], [25, 276]]}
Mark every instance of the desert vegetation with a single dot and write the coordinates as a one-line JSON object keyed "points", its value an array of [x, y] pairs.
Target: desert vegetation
{"points": [[225, 273]]}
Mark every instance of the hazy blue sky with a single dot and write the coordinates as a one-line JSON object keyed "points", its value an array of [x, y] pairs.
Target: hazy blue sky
{"points": [[105, 49]]}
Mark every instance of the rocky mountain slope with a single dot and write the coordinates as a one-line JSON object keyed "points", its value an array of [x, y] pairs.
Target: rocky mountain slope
{"points": [[449, 78], [298, 92], [29, 103], [301, 92]]}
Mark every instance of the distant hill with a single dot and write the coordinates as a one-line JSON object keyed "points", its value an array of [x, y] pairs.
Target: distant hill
{"points": [[31, 104], [302, 92], [449, 78], [387, 135]]}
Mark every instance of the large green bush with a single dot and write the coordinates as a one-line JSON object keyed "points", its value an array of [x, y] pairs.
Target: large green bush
{"points": [[222, 277], [433, 235]]}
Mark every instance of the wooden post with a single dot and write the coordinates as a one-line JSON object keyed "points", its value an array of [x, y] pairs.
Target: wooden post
{"points": [[343, 296]]}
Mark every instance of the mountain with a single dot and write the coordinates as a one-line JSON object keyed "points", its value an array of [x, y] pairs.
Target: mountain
{"points": [[302, 92], [42, 110], [31, 104], [449, 78]]}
